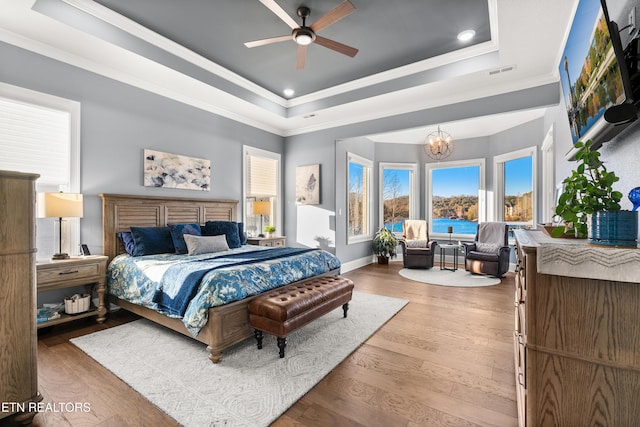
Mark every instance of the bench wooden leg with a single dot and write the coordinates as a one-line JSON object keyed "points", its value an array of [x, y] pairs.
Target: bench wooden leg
{"points": [[345, 307], [282, 343], [258, 334]]}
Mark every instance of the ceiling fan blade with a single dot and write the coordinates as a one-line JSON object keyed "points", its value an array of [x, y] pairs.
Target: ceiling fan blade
{"points": [[270, 40], [345, 8], [338, 47], [275, 8], [301, 57]]}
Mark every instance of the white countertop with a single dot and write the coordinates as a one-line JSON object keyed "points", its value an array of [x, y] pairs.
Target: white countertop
{"points": [[576, 258]]}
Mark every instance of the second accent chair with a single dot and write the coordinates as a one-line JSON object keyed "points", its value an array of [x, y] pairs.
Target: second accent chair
{"points": [[489, 254], [417, 250]]}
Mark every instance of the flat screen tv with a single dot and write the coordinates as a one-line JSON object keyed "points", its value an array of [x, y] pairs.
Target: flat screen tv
{"points": [[594, 77]]}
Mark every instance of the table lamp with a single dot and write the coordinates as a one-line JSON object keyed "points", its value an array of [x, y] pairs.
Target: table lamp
{"points": [[60, 205], [261, 207], [450, 230]]}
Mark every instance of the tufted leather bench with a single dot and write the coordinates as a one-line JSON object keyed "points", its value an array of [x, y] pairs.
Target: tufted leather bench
{"points": [[285, 309]]}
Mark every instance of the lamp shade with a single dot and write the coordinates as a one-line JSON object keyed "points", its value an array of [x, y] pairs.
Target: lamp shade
{"points": [[60, 205], [261, 207]]}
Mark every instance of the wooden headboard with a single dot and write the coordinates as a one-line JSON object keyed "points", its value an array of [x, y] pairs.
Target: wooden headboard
{"points": [[119, 212]]}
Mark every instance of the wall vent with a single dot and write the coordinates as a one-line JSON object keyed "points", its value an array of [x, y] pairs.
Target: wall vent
{"points": [[502, 70]]}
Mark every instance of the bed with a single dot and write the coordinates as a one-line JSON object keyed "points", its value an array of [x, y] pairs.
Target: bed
{"points": [[227, 324]]}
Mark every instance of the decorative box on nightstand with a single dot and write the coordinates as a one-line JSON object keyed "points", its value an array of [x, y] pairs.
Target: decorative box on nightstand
{"points": [[78, 271], [267, 241]]}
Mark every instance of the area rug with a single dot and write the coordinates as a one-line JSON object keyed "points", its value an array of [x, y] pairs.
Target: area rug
{"points": [[249, 387], [459, 278]]}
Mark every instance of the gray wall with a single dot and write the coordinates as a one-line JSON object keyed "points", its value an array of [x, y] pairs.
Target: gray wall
{"points": [[337, 141], [119, 121]]}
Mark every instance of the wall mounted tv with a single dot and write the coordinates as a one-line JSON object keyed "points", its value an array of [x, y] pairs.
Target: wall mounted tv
{"points": [[594, 77]]}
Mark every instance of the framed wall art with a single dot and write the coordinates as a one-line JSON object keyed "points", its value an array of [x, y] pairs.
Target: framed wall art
{"points": [[308, 184], [169, 170]]}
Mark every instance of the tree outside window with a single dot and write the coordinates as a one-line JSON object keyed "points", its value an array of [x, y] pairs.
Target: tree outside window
{"points": [[397, 194], [359, 199]]}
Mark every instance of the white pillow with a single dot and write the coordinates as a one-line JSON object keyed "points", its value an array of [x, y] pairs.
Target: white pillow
{"points": [[205, 244]]}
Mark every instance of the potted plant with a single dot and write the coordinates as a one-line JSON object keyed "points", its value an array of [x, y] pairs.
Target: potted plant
{"points": [[589, 205], [270, 229], [384, 245]]}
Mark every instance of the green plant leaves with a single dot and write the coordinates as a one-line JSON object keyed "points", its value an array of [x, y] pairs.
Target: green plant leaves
{"points": [[589, 189]]}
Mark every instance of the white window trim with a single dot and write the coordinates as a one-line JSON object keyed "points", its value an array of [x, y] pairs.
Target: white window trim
{"points": [[430, 167], [498, 180], [548, 176], [413, 188], [73, 107], [248, 150], [368, 235]]}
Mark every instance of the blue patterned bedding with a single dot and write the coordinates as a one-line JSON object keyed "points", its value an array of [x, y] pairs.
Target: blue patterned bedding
{"points": [[137, 279]]}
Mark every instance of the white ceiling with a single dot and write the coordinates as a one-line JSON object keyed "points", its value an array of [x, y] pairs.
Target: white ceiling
{"points": [[525, 35]]}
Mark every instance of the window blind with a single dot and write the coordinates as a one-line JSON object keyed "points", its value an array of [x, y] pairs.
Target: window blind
{"points": [[35, 139], [262, 177]]}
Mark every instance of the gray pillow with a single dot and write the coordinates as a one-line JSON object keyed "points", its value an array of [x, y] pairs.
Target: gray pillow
{"points": [[205, 244], [417, 243], [487, 247]]}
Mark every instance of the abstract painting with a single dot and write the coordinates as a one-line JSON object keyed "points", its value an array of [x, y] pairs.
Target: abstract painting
{"points": [[308, 184], [175, 171]]}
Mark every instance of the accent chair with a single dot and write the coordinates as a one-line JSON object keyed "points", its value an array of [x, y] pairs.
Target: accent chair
{"points": [[417, 250], [489, 253]]}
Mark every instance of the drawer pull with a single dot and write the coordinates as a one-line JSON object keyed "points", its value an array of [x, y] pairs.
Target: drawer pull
{"points": [[68, 272]]}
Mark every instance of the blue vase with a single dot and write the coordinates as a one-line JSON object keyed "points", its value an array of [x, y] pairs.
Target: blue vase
{"points": [[634, 196], [614, 228]]}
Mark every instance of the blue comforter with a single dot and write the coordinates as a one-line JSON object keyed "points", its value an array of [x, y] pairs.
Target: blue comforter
{"points": [[138, 279], [180, 282]]}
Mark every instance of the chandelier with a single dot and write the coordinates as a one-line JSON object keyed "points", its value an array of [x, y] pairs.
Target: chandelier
{"points": [[438, 145]]}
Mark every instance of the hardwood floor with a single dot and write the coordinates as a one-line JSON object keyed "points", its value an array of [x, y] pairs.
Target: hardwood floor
{"points": [[446, 359]]}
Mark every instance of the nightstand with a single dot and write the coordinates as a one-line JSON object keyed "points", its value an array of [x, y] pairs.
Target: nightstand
{"points": [[267, 241], [89, 271]]}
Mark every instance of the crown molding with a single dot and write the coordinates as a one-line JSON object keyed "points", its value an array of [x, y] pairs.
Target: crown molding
{"points": [[84, 63], [143, 33]]}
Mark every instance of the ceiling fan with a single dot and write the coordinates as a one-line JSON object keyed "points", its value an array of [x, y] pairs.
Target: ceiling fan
{"points": [[303, 35]]}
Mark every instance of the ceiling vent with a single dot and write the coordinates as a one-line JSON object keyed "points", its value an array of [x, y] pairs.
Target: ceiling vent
{"points": [[502, 70]]}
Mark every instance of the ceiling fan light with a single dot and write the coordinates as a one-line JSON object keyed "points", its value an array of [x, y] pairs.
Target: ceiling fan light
{"points": [[303, 36]]}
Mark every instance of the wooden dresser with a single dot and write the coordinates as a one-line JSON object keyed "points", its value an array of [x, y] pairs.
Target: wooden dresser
{"points": [[18, 362], [577, 333]]}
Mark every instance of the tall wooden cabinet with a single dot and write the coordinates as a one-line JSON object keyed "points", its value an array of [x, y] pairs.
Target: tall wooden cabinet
{"points": [[18, 336], [577, 333]]}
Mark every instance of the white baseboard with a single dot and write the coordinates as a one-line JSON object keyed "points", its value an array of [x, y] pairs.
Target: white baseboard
{"points": [[352, 265]]}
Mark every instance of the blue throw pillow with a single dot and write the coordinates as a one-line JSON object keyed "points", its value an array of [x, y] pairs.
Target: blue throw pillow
{"points": [[242, 234], [152, 240], [127, 241], [177, 235], [228, 228]]}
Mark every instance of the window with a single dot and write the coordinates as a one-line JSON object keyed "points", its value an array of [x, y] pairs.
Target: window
{"points": [[515, 187], [359, 199], [398, 194], [40, 133], [455, 197], [261, 185]]}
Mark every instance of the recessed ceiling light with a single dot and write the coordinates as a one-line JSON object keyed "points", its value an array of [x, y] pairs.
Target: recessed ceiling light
{"points": [[288, 92], [466, 35]]}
